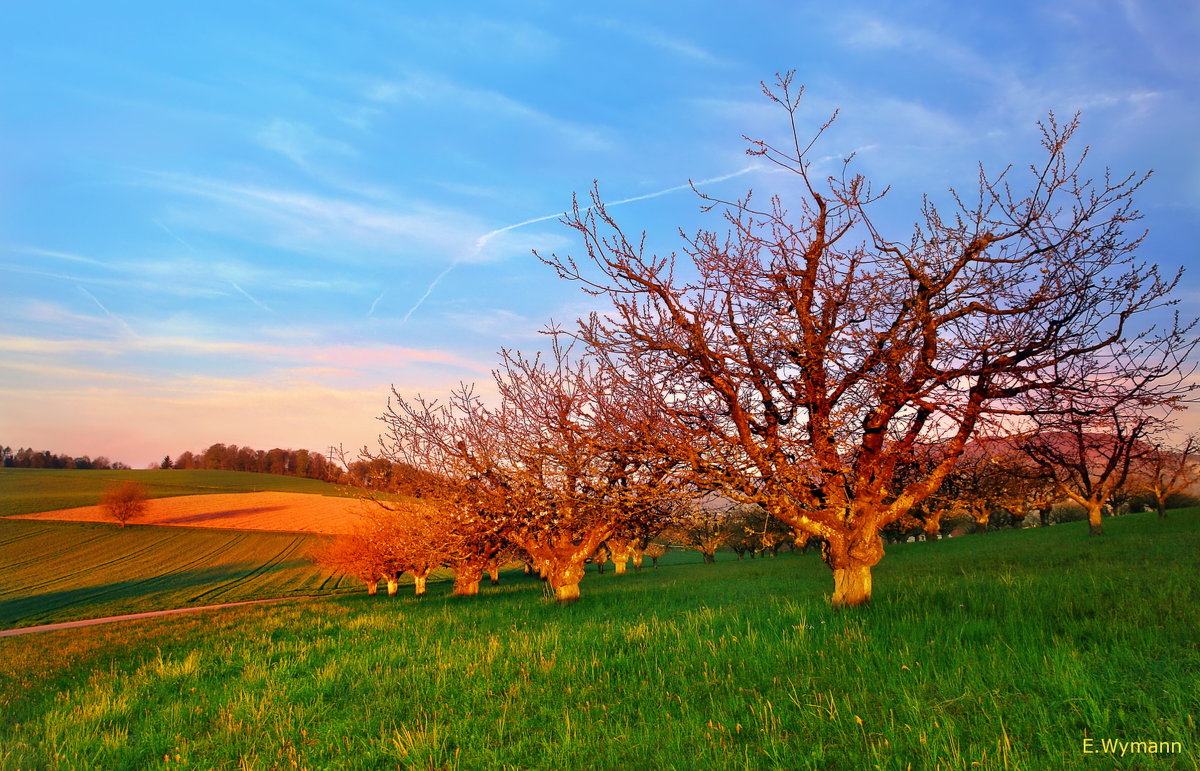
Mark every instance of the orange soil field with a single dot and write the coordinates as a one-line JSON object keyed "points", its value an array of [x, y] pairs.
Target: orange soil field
{"points": [[288, 512]]}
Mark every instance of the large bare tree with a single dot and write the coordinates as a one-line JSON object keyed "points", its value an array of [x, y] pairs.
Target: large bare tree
{"points": [[804, 356]]}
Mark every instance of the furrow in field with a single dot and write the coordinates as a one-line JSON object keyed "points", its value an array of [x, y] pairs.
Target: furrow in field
{"points": [[228, 586], [76, 562], [40, 556], [163, 584], [16, 537]]}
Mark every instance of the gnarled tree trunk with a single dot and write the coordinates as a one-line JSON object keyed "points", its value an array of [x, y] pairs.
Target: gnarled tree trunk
{"points": [[564, 577], [620, 549], [851, 556], [373, 587], [466, 578]]}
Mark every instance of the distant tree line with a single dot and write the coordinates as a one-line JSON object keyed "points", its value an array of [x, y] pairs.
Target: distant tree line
{"points": [[27, 457], [373, 474]]}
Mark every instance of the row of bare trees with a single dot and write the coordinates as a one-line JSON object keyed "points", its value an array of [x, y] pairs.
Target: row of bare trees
{"points": [[803, 362]]}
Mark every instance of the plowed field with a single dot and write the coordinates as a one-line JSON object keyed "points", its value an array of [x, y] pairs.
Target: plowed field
{"points": [[286, 512]]}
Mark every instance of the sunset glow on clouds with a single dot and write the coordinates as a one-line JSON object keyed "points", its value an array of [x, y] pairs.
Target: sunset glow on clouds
{"points": [[242, 224]]}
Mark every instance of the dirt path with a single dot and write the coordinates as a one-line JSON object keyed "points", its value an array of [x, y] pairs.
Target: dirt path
{"points": [[135, 616]]}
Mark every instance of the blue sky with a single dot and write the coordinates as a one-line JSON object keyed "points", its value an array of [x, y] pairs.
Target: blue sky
{"points": [[241, 222]]}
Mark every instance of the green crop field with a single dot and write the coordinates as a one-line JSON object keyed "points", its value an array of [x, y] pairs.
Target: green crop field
{"points": [[1012, 650], [63, 571], [28, 491]]}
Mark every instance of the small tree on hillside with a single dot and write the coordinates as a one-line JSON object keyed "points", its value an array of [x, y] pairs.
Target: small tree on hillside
{"points": [[1167, 470], [1090, 457], [124, 502]]}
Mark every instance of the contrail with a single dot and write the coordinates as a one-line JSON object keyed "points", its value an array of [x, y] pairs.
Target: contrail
{"points": [[171, 233], [196, 251], [371, 312], [250, 297], [429, 291], [483, 240], [107, 312]]}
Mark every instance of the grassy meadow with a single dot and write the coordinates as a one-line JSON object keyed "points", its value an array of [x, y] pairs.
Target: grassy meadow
{"points": [[28, 491], [998, 651]]}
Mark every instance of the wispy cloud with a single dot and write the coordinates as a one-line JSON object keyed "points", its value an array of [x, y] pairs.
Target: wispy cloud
{"points": [[325, 225], [67, 256], [299, 141], [482, 241], [657, 38], [431, 91]]}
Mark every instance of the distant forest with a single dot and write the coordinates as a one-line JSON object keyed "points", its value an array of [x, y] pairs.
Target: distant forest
{"points": [[27, 457], [376, 474]]}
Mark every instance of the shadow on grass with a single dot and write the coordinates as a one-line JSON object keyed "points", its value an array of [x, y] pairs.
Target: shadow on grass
{"points": [[46, 607]]}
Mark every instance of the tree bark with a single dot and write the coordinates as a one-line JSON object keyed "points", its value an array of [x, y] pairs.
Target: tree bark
{"points": [[372, 587], [393, 585], [564, 579], [637, 560], [466, 579], [419, 584], [851, 559], [851, 586], [494, 574], [1095, 519], [619, 549]]}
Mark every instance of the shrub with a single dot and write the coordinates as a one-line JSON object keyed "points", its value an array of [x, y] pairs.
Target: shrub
{"points": [[123, 502]]}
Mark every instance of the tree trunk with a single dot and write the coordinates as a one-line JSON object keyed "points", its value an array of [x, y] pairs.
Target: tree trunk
{"points": [[851, 556], [708, 557], [1095, 514], [637, 560], [494, 574], [564, 579], [851, 586], [419, 584], [566, 593], [619, 549], [1161, 505], [466, 579], [372, 587], [393, 585]]}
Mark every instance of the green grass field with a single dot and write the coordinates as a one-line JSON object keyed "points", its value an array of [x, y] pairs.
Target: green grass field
{"points": [[63, 571], [28, 491], [999, 651]]}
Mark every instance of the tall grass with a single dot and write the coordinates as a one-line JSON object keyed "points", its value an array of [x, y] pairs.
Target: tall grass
{"points": [[999, 651]]}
